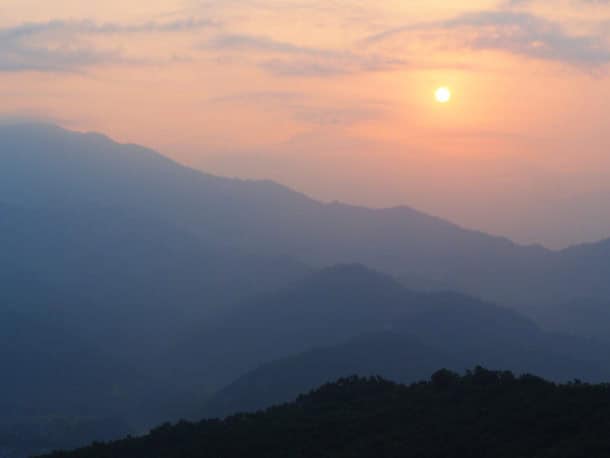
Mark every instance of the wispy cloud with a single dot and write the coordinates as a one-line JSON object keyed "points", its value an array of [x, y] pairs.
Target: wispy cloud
{"points": [[518, 33], [17, 57], [510, 3], [531, 36], [311, 109], [282, 97], [265, 44], [90, 27], [288, 59], [60, 46]]}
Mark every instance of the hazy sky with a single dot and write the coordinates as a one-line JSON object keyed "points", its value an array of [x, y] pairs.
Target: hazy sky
{"points": [[335, 97]]}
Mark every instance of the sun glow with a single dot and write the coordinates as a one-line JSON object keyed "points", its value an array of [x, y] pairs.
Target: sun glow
{"points": [[442, 95]]}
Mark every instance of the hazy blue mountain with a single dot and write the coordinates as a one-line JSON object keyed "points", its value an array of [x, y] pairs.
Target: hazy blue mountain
{"points": [[337, 304], [589, 313], [57, 390], [111, 273], [46, 367], [581, 317], [44, 166], [87, 293], [94, 291]]}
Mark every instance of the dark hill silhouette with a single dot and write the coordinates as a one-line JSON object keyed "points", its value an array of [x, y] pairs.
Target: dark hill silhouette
{"points": [[482, 414]]}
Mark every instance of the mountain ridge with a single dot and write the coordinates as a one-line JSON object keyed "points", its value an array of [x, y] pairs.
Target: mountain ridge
{"points": [[340, 303], [151, 153], [269, 219]]}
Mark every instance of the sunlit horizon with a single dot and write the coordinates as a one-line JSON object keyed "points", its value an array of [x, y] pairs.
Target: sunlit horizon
{"points": [[334, 99]]}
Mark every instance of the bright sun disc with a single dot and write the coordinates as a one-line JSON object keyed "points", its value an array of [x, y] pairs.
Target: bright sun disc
{"points": [[442, 95]]}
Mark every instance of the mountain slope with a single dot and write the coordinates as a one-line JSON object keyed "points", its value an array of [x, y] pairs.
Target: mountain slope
{"points": [[483, 414], [91, 299], [337, 304], [46, 367], [44, 166], [393, 356], [102, 271], [58, 390], [98, 275]]}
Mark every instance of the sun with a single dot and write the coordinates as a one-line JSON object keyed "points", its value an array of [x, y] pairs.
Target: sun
{"points": [[442, 94]]}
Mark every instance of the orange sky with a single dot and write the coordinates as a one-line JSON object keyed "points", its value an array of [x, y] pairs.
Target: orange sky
{"points": [[335, 97]]}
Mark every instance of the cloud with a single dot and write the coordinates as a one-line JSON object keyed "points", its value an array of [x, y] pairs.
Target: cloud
{"points": [[338, 116], [59, 46], [288, 59], [518, 33], [310, 108], [531, 36], [577, 3], [21, 58], [90, 27], [259, 43], [258, 97]]}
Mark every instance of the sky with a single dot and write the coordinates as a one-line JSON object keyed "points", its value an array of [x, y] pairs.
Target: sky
{"points": [[335, 98]]}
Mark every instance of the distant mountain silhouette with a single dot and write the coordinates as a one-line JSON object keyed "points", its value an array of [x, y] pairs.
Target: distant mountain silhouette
{"points": [[588, 314], [481, 414], [47, 167], [337, 304], [98, 290]]}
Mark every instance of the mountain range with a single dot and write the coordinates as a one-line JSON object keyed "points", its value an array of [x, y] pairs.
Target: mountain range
{"points": [[44, 166], [136, 290]]}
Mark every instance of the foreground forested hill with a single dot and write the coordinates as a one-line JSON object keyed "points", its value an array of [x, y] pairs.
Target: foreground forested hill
{"points": [[480, 414]]}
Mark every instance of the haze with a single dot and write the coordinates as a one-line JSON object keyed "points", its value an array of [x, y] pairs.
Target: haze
{"points": [[336, 98]]}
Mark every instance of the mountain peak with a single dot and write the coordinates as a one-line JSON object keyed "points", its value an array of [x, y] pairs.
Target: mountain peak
{"points": [[354, 276]]}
